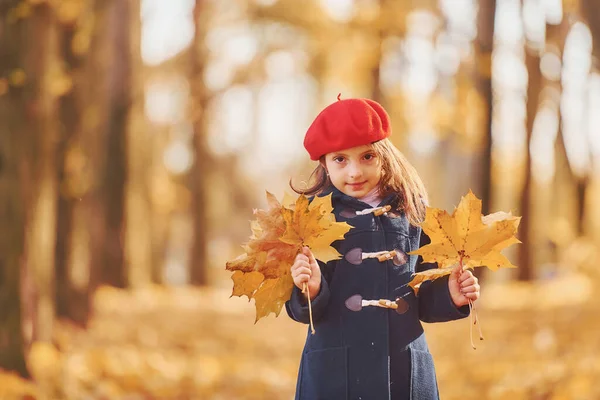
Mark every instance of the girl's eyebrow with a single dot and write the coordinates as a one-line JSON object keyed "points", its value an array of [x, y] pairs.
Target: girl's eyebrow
{"points": [[361, 154]]}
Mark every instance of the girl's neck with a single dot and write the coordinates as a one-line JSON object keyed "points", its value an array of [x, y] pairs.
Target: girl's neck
{"points": [[372, 198]]}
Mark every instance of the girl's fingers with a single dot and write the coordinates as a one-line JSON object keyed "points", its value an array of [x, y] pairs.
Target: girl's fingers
{"points": [[472, 296], [310, 256], [302, 257], [300, 264], [301, 270], [469, 289], [301, 279], [468, 282], [466, 276]]}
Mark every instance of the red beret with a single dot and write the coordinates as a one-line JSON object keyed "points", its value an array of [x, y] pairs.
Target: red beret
{"points": [[344, 124]]}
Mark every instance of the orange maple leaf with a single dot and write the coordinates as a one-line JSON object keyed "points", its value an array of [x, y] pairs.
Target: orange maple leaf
{"points": [[263, 273]]}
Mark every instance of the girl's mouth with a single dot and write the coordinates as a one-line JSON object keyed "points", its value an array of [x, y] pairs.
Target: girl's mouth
{"points": [[356, 185]]}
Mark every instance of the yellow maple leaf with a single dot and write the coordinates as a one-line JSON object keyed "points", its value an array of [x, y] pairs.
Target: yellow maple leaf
{"points": [[272, 295], [244, 284], [428, 275], [278, 234], [466, 238]]}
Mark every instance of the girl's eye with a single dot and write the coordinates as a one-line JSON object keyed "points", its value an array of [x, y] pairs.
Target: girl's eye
{"points": [[369, 157], [338, 159]]}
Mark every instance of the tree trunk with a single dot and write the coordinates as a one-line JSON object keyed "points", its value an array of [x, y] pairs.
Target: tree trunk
{"points": [[115, 135], [591, 13], [41, 233], [72, 267], [15, 135], [138, 237], [12, 232], [526, 267], [484, 47], [590, 9], [199, 259]]}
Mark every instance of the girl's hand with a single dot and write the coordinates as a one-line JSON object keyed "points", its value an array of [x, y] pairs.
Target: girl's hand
{"points": [[463, 286], [306, 270]]}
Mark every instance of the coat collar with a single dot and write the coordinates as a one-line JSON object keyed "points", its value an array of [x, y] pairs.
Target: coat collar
{"points": [[338, 196]]}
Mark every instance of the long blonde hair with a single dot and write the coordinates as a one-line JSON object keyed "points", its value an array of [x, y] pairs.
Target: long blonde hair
{"points": [[398, 177]]}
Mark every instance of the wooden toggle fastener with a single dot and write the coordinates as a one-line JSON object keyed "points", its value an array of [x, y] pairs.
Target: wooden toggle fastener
{"points": [[377, 211], [381, 210], [380, 255], [380, 303], [387, 256], [356, 303]]}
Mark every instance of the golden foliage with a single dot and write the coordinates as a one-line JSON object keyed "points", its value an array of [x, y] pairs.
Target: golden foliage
{"points": [[68, 11], [20, 11], [14, 387], [17, 77], [60, 81], [466, 238], [263, 273]]}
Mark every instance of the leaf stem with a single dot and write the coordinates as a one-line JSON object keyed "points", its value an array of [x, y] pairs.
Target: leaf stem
{"points": [[471, 325], [473, 317], [476, 322], [305, 289]]}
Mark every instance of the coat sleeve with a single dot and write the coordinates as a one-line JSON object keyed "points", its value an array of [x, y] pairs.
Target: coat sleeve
{"points": [[297, 306], [435, 303]]}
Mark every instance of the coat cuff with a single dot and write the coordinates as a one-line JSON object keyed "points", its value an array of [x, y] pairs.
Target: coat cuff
{"points": [[435, 303], [297, 306]]}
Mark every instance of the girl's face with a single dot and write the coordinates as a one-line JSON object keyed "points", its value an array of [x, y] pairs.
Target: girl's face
{"points": [[354, 171]]}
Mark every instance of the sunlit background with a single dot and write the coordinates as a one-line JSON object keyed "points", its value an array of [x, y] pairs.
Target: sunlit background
{"points": [[150, 130], [271, 67]]}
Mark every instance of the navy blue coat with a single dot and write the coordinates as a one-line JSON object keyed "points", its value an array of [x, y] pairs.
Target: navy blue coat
{"points": [[374, 353]]}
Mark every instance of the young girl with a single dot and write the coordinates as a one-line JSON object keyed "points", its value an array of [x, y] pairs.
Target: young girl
{"points": [[369, 342]]}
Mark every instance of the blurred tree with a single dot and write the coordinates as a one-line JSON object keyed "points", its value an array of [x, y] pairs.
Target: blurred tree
{"points": [[565, 177], [12, 212], [77, 242], [47, 82], [138, 237], [484, 47], [114, 132], [200, 169], [15, 135], [590, 10], [70, 168], [532, 62]]}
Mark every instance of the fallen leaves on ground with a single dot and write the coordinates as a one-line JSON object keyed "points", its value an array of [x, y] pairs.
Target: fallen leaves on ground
{"points": [[196, 344]]}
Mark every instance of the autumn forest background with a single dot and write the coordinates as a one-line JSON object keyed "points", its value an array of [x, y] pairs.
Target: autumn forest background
{"points": [[137, 136]]}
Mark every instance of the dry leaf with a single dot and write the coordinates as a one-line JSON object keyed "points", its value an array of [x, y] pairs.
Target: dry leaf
{"points": [[278, 235], [428, 275], [466, 238]]}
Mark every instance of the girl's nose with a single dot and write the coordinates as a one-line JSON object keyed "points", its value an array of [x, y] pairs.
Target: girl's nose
{"points": [[354, 171]]}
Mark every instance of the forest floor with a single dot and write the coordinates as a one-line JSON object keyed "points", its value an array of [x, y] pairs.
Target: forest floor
{"points": [[542, 341]]}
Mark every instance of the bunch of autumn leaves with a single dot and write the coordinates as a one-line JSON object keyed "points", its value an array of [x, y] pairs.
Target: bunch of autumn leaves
{"points": [[278, 234]]}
